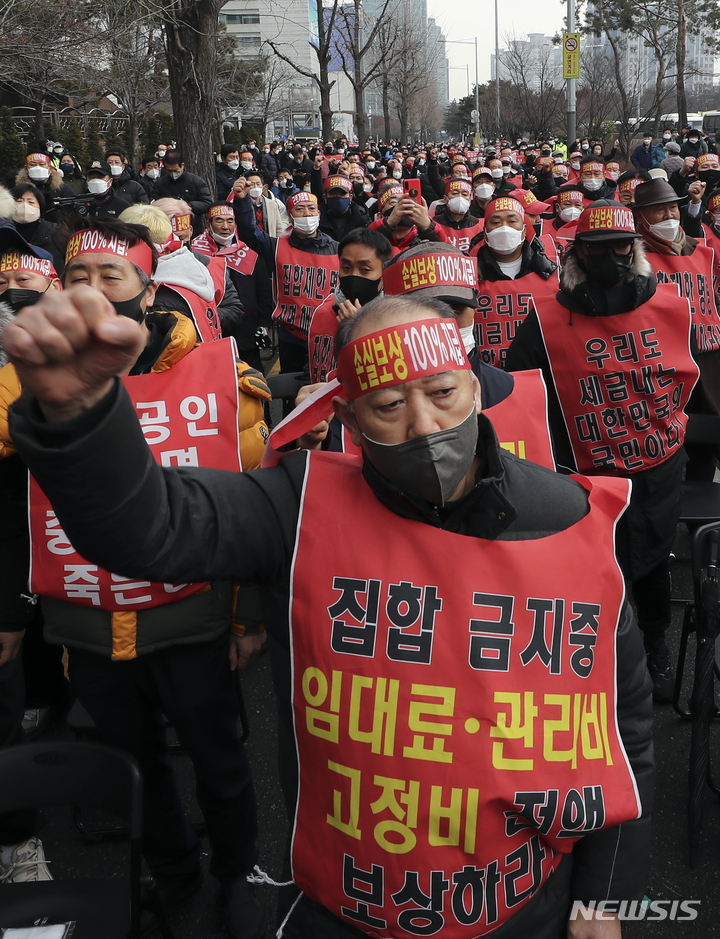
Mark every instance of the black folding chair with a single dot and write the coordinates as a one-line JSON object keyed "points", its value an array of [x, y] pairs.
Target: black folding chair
{"points": [[99, 777], [285, 386]]}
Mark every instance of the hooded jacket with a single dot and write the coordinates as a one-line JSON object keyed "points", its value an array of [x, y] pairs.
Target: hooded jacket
{"points": [[54, 187]]}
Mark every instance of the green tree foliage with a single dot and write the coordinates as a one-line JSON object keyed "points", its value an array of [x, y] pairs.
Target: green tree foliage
{"points": [[12, 149], [113, 136], [94, 147], [74, 143]]}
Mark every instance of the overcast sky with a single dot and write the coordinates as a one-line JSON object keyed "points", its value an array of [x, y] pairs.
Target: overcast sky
{"points": [[465, 19]]}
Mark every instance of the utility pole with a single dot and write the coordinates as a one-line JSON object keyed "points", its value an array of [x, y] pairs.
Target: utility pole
{"points": [[571, 105], [477, 97], [497, 68]]}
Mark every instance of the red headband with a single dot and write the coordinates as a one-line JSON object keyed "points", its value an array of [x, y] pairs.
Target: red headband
{"points": [[91, 241], [181, 222], [338, 182], [387, 193], [37, 158], [595, 167], [630, 185], [504, 204], [572, 195], [714, 202], [399, 354], [461, 183], [430, 270], [221, 211], [15, 261], [299, 198]]}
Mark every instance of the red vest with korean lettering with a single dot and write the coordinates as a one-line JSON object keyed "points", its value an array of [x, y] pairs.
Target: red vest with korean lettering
{"points": [[623, 381], [693, 276], [521, 420], [501, 310], [712, 240], [189, 418], [323, 327], [302, 281], [461, 237], [453, 742], [238, 255]]}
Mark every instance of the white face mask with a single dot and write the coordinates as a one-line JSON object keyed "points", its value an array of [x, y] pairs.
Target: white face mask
{"points": [[497, 174], [459, 205], [397, 174], [221, 239], [38, 172], [716, 219], [153, 174], [161, 153], [467, 334], [667, 136], [246, 164], [98, 186], [506, 170], [570, 213], [116, 170], [575, 166], [559, 160], [307, 224], [370, 164], [176, 174], [484, 190], [24, 212], [666, 230], [504, 240], [255, 192], [233, 164], [647, 141], [367, 187], [592, 185]]}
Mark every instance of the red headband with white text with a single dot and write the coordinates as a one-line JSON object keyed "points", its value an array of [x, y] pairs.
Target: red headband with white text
{"points": [[399, 354], [91, 241]]}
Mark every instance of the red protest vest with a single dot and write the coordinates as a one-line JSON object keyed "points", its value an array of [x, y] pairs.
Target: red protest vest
{"points": [[455, 723], [623, 381], [189, 418], [501, 310], [521, 420], [323, 327], [203, 312], [302, 281], [239, 256], [461, 237], [693, 276]]}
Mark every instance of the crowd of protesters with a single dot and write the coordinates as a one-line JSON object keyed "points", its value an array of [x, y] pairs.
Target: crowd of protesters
{"points": [[474, 324]]}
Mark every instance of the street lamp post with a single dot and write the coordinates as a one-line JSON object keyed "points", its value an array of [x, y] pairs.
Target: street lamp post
{"points": [[462, 42]]}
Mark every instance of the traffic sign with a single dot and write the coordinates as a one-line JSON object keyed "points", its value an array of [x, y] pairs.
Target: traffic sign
{"points": [[571, 55], [474, 114]]}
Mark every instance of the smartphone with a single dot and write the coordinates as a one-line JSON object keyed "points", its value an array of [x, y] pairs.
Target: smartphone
{"points": [[412, 189]]}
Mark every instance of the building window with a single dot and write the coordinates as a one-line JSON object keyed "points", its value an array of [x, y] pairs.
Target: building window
{"points": [[240, 18], [249, 41]]}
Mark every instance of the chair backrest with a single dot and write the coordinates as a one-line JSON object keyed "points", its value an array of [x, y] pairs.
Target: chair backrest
{"points": [[72, 773], [286, 384]]}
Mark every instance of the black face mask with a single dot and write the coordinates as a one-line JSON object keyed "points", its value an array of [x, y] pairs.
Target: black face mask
{"points": [[607, 270], [131, 307], [711, 177], [359, 288], [17, 299]]}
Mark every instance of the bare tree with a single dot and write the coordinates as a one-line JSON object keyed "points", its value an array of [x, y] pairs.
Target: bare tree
{"points": [[535, 89], [356, 38], [596, 95], [410, 67], [326, 19]]}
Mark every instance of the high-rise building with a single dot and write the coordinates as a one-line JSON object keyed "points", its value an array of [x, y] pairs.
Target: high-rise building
{"points": [[290, 25], [436, 42]]}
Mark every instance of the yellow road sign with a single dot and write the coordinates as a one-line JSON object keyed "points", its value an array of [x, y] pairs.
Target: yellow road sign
{"points": [[571, 55]]}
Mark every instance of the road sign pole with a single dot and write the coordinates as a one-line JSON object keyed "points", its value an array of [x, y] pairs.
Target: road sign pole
{"points": [[571, 104]]}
